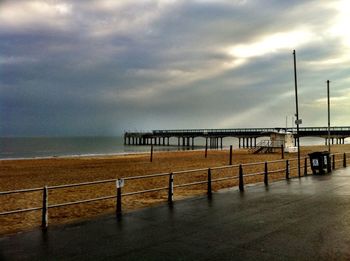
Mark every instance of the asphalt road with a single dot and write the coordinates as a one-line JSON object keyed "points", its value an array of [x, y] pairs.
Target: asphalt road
{"points": [[300, 219]]}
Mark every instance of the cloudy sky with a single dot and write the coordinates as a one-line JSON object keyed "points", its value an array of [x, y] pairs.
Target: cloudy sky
{"points": [[99, 67]]}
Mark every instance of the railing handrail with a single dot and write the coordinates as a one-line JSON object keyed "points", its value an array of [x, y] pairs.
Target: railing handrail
{"points": [[248, 129], [20, 191], [237, 130]]}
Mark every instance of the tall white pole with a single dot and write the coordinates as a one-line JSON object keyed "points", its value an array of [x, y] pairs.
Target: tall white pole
{"points": [[329, 119], [286, 123], [297, 110]]}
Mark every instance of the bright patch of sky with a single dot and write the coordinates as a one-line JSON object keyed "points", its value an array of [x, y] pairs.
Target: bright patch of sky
{"points": [[99, 67]]}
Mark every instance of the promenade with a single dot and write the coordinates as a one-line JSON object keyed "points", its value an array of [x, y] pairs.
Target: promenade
{"points": [[299, 219]]}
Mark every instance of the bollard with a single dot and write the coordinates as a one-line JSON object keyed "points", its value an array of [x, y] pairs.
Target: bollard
{"points": [[151, 158], [282, 151], [171, 188], [287, 169], [344, 160], [333, 162], [45, 214], [266, 179], [230, 163], [209, 183], [305, 167], [241, 182]]}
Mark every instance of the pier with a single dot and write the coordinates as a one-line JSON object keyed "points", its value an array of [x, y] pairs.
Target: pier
{"points": [[247, 137]]}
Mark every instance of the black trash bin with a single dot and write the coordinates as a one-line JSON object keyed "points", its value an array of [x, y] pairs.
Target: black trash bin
{"points": [[320, 162]]}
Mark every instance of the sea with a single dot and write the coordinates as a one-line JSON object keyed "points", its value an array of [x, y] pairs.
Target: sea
{"points": [[47, 147]]}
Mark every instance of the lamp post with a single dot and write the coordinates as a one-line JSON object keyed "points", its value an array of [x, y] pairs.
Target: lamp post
{"points": [[329, 119], [297, 121]]}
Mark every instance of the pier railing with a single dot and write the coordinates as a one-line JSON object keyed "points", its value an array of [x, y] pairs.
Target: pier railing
{"points": [[207, 131], [240, 173]]}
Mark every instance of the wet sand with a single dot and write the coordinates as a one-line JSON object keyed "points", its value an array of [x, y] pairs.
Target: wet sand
{"points": [[23, 174]]}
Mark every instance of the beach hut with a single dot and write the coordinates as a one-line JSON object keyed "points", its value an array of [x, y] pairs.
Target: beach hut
{"points": [[285, 139], [275, 143]]}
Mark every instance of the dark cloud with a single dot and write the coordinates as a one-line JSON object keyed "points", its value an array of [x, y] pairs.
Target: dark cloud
{"points": [[101, 67]]}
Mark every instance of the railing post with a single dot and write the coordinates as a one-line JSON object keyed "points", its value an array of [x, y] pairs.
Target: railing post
{"points": [[230, 162], [329, 164], [305, 167], [333, 161], [287, 169], [344, 160], [119, 185], [282, 151], [266, 179], [209, 183], [241, 182], [151, 158], [171, 188], [206, 147], [45, 214]]}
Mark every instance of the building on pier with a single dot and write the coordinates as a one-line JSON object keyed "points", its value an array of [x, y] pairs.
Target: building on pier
{"points": [[278, 140]]}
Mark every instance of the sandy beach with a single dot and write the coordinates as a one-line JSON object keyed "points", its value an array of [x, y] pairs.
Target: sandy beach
{"points": [[37, 173]]}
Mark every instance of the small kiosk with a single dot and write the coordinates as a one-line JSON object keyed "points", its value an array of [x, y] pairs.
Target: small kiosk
{"points": [[285, 139]]}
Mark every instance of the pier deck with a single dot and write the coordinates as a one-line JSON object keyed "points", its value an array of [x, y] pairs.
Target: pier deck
{"points": [[247, 136]]}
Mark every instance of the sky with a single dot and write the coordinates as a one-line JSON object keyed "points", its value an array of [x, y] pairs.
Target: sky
{"points": [[102, 67]]}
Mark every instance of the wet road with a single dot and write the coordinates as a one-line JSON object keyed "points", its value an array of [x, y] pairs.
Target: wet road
{"points": [[302, 219]]}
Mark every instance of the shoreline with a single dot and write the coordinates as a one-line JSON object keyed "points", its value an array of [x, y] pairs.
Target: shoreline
{"points": [[101, 155], [92, 155], [136, 153]]}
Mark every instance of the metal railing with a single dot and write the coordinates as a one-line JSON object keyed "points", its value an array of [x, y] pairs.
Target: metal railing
{"points": [[243, 174], [342, 128]]}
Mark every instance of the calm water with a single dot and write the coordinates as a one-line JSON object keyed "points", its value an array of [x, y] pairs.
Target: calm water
{"points": [[67, 146], [72, 146]]}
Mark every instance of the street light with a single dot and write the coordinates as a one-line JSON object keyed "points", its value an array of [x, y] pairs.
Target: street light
{"points": [[329, 119], [297, 121]]}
